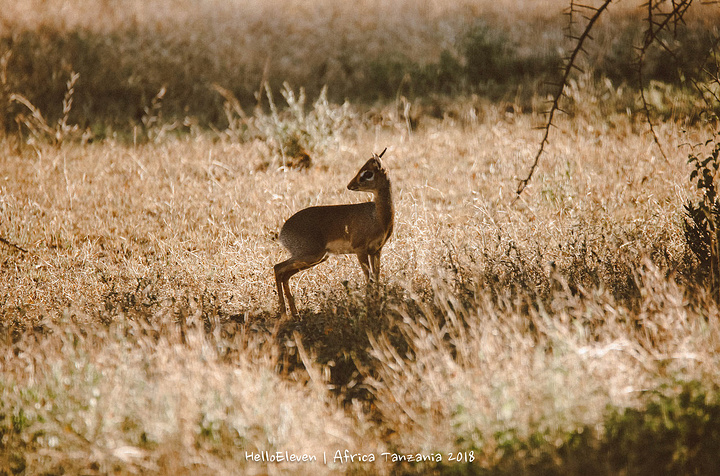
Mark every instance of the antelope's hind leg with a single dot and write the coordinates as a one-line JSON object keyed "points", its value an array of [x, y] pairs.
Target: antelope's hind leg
{"points": [[287, 269], [279, 283]]}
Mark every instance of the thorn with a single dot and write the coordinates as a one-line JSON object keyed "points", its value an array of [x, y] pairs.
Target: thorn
{"points": [[588, 7]]}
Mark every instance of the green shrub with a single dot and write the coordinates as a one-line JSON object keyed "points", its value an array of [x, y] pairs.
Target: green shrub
{"points": [[676, 432], [702, 218], [487, 54], [673, 434]]}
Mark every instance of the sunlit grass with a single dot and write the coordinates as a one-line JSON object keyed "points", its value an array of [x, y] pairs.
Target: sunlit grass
{"points": [[550, 333], [141, 329]]}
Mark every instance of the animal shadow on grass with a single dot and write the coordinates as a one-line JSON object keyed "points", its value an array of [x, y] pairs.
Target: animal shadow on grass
{"points": [[336, 335]]}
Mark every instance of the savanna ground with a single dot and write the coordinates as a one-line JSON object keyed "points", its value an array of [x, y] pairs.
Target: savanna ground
{"points": [[567, 331]]}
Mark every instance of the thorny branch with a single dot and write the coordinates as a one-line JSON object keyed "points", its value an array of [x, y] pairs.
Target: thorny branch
{"points": [[702, 87], [658, 21], [570, 64], [674, 18]]}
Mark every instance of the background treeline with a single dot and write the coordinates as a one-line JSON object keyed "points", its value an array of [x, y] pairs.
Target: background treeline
{"points": [[126, 55]]}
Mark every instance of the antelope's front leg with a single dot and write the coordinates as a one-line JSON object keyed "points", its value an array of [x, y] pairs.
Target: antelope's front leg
{"points": [[365, 264], [375, 266]]}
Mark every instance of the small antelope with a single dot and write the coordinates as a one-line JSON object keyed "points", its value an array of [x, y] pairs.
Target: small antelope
{"points": [[314, 233]]}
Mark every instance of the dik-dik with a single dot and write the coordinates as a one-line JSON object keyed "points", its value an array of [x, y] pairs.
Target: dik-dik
{"points": [[312, 234]]}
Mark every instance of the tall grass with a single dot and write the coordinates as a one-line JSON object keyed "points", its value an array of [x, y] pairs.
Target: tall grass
{"points": [[136, 398], [520, 388], [555, 333], [140, 329]]}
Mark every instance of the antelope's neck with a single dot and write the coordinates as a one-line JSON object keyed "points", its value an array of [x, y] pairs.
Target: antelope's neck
{"points": [[384, 206]]}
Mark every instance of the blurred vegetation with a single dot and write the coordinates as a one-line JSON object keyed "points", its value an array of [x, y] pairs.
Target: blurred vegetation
{"points": [[121, 72], [676, 433], [122, 68]]}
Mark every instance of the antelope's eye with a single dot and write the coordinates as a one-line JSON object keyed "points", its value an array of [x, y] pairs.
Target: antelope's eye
{"points": [[367, 175]]}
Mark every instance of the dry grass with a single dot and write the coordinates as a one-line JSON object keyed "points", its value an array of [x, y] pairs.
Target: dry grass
{"points": [[140, 328], [135, 398], [553, 334]]}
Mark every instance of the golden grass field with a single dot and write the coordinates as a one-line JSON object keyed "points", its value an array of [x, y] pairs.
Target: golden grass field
{"points": [[562, 332]]}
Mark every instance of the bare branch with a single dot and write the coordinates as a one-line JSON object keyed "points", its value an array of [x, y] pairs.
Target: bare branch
{"points": [[646, 110], [567, 70], [652, 37]]}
